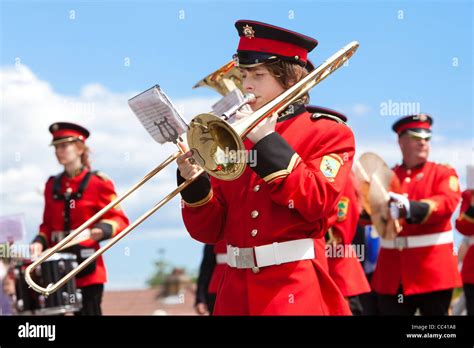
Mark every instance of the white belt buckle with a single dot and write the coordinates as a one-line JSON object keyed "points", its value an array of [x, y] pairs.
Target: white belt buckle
{"points": [[244, 258], [401, 243]]}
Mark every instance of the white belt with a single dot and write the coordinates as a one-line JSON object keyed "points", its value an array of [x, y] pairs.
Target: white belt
{"points": [[270, 254], [221, 258], [431, 239]]}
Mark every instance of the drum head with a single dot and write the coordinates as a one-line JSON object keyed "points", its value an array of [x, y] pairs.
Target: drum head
{"points": [[61, 256]]}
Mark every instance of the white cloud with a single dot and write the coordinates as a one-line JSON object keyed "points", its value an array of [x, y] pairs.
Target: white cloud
{"points": [[120, 145], [360, 109], [157, 233]]}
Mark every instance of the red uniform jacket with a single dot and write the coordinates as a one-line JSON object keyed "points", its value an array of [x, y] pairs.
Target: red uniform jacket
{"points": [[433, 191], [97, 194], [219, 248], [465, 225], [344, 264], [300, 173]]}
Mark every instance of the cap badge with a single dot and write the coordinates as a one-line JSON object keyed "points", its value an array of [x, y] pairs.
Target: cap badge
{"points": [[55, 127], [248, 31], [423, 118]]}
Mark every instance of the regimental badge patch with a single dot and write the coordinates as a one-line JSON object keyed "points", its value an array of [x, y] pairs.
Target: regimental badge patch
{"points": [[453, 183], [342, 208], [248, 31], [330, 166]]}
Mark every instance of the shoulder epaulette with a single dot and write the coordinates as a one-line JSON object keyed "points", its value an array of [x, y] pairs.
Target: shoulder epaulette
{"points": [[447, 165], [317, 116], [101, 175]]}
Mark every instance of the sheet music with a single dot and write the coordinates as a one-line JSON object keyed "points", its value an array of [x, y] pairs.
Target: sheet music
{"points": [[231, 99], [12, 228], [158, 115]]}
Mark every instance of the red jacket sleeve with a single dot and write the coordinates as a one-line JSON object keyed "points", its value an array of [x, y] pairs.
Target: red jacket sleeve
{"points": [[465, 221], [443, 202], [314, 185], [115, 219], [203, 209]]}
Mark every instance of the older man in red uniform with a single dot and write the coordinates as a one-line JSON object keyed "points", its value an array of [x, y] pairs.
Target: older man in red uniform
{"points": [[418, 270], [465, 225], [275, 215], [71, 198]]}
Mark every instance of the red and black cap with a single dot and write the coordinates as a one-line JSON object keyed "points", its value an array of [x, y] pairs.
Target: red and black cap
{"points": [[65, 131], [416, 125], [263, 43]]}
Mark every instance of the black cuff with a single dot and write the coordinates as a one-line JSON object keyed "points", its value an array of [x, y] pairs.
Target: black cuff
{"points": [[470, 211], [418, 212], [273, 154], [365, 217], [106, 228], [40, 239], [197, 190]]}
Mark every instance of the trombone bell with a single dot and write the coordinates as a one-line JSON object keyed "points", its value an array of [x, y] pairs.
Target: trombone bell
{"points": [[223, 80]]}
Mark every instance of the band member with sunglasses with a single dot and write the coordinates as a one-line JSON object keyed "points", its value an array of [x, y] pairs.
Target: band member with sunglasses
{"points": [[418, 269]]}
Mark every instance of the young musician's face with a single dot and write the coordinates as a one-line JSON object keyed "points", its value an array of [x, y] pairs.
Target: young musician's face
{"points": [[67, 152], [414, 150], [259, 81]]}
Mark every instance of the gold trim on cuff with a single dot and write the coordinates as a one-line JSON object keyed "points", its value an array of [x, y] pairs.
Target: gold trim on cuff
{"points": [[200, 202], [112, 223], [295, 159], [432, 207]]}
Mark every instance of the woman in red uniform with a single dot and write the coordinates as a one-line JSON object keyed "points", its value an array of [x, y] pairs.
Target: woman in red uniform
{"points": [[71, 198], [465, 225], [275, 215]]}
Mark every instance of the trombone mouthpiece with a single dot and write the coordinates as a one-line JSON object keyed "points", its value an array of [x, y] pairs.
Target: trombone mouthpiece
{"points": [[249, 98]]}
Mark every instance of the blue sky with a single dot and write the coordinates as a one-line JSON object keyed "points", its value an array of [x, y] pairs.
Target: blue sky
{"points": [[404, 56], [417, 53]]}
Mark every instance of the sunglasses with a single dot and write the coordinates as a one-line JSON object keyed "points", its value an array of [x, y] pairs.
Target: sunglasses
{"points": [[416, 137]]}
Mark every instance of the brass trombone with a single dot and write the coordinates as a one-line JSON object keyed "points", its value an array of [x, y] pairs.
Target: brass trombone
{"points": [[209, 136]]}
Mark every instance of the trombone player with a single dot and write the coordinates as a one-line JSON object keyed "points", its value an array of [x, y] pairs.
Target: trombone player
{"points": [[275, 215]]}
